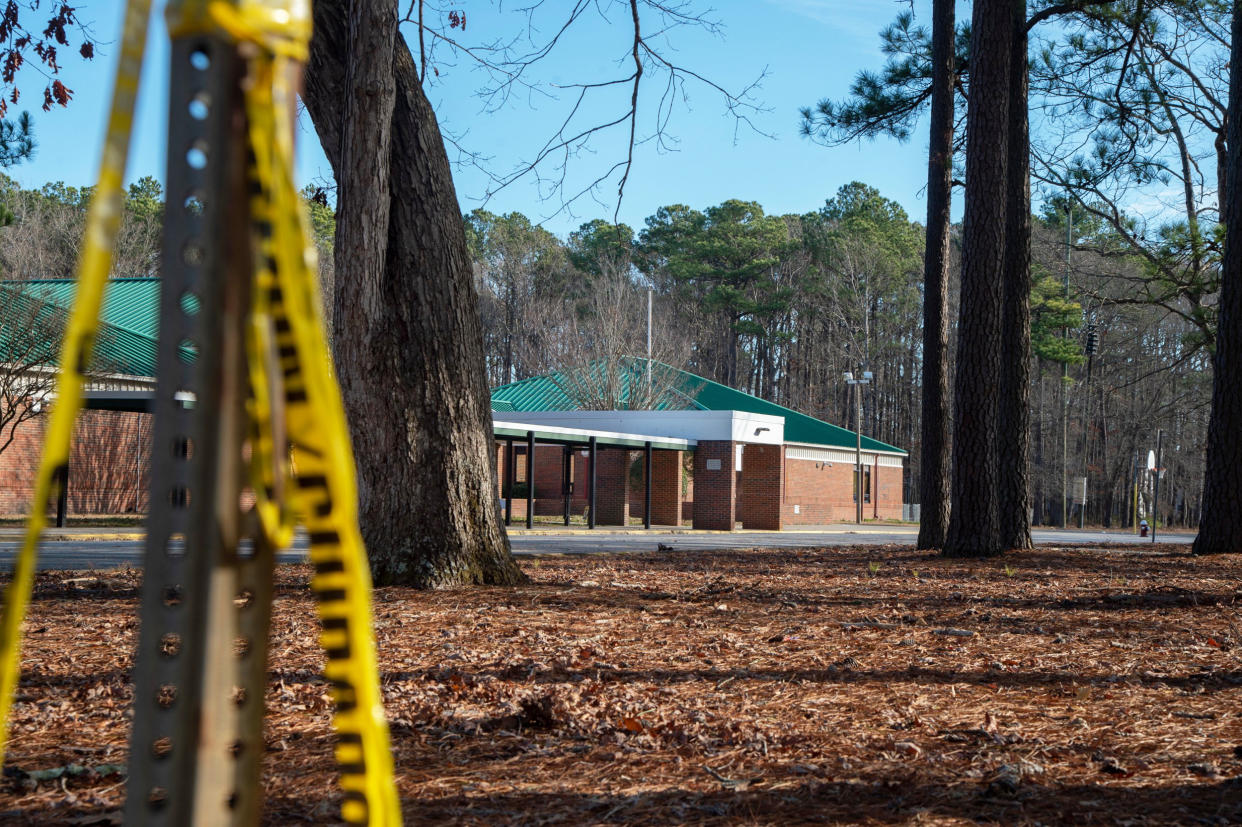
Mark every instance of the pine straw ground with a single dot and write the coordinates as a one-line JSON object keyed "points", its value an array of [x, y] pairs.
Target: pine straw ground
{"points": [[859, 685]]}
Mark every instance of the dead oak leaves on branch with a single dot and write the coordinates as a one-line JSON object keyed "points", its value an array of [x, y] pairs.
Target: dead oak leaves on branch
{"points": [[759, 686]]}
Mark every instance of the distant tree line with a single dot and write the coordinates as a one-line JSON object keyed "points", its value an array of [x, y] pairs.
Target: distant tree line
{"points": [[782, 306]]}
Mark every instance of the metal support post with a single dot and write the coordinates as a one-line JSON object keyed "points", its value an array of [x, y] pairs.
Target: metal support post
{"points": [[647, 485], [530, 479], [202, 658], [857, 382], [62, 496], [567, 479], [858, 467], [594, 451], [510, 475]]}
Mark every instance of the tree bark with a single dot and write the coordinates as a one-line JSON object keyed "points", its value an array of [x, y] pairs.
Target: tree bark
{"points": [[417, 399], [363, 196], [934, 467], [1220, 526], [973, 524], [1014, 419]]}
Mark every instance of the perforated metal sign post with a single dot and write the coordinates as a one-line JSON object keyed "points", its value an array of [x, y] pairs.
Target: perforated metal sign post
{"points": [[250, 433], [201, 663]]}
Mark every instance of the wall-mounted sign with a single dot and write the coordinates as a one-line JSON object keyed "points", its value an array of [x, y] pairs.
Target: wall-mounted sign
{"points": [[713, 465]]}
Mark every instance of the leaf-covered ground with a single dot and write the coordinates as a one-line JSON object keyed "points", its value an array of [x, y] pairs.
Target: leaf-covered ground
{"points": [[858, 685]]}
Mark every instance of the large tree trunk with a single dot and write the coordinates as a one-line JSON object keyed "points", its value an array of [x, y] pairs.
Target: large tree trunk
{"points": [[1014, 420], [409, 345], [934, 468], [973, 526], [1220, 527]]}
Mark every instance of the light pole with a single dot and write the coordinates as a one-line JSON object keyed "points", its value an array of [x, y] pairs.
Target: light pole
{"points": [[866, 378]]}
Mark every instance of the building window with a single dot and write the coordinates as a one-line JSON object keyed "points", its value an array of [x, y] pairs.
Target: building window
{"points": [[866, 478]]}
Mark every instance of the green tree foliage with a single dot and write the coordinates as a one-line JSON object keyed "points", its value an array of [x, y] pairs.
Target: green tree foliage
{"points": [[322, 218], [723, 259], [872, 251], [891, 101], [599, 245], [1051, 315], [44, 235]]}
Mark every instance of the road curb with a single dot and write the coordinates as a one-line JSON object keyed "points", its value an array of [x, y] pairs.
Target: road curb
{"points": [[54, 536], [662, 532]]}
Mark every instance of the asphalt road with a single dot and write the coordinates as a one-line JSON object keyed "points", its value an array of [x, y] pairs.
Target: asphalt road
{"points": [[103, 554]]}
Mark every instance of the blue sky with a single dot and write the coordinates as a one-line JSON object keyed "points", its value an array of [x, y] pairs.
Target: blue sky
{"points": [[809, 48]]}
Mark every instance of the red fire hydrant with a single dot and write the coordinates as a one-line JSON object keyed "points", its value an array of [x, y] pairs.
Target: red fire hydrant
{"points": [[1142, 528]]}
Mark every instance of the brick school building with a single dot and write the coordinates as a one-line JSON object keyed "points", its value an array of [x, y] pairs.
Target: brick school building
{"points": [[708, 456]]}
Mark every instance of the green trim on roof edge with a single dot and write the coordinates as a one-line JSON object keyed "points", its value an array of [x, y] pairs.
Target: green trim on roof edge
{"points": [[544, 393]]}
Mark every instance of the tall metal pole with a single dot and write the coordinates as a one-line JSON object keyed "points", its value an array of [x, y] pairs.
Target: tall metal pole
{"points": [[1069, 224], [857, 382], [858, 468], [1086, 422], [650, 397]]}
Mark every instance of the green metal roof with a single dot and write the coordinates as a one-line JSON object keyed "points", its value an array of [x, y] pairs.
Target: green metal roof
{"points": [[691, 392], [129, 329]]}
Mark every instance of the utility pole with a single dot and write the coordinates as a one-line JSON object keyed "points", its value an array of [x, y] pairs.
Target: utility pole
{"points": [[857, 384], [1092, 342], [650, 397], [1069, 224]]}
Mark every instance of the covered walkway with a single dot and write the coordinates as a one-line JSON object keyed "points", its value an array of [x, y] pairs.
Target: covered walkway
{"points": [[589, 469]]}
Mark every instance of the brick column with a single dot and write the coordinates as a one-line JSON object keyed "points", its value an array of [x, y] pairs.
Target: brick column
{"points": [[763, 478], [665, 487], [715, 485], [613, 479]]}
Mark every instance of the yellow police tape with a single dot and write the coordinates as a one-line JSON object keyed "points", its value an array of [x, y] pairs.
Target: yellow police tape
{"points": [[102, 222], [324, 492], [290, 366]]}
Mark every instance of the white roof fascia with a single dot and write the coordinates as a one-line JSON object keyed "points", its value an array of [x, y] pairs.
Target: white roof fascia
{"points": [[583, 434], [820, 445], [695, 426]]}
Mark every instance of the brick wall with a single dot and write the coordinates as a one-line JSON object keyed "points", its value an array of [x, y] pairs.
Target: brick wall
{"points": [[666, 474], [825, 493], [613, 478], [549, 482], [762, 487], [108, 464], [888, 496], [715, 489]]}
